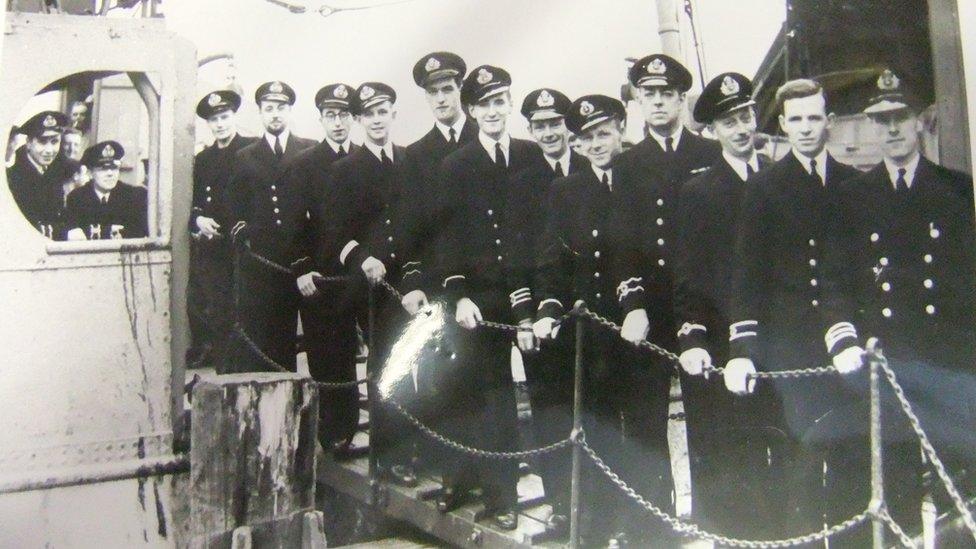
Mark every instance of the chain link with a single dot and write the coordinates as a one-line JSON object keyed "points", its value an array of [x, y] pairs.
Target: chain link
{"points": [[475, 452], [693, 530], [895, 528], [256, 349], [929, 450]]}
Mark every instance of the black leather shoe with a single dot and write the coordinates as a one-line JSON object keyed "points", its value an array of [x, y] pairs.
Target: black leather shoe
{"points": [[403, 475], [506, 519], [448, 500]]}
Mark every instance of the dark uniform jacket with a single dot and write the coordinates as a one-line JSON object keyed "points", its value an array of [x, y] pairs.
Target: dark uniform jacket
{"points": [[650, 181], [906, 261], [212, 170], [363, 214], [423, 159], [260, 196], [708, 216], [578, 243], [41, 197], [126, 206], [777, 282], [478, 253]]}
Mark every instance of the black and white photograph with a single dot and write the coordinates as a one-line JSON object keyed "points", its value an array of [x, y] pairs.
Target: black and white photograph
{"points": [[404, 274]]}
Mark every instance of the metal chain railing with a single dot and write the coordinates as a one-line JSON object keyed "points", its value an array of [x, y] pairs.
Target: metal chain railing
{"points": [[693, 530], [929, 450], [679, 526]]}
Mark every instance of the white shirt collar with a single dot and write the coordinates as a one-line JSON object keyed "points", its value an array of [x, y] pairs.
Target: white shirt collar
{"points": [[446, 130], [40, 169], [489, 145], [376, 149], [335, 146], [599, 175], [283, 137], [909, 168], [675, 138], [100, 194], [740, 166], [563, 162], [821, 159]]}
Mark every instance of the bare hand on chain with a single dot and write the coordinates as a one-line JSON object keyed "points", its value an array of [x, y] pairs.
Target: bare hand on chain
{"points": [[306, 284], [635, 327], [525, 339], [374, 270], [737, 377], [208, 227], [468, 314], [414, 302], [695, 361], [849, 360], [545, 328]]}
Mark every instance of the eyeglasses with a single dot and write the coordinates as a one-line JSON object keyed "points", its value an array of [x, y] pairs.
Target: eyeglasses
{"points": [[332, 116]]}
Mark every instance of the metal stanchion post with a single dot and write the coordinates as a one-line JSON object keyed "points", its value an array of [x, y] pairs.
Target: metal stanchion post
{"points": [[371, 388], [877, 472], [574, 501]]}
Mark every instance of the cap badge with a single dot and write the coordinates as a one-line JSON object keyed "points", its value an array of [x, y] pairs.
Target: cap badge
{"points": [[108, 151], [49, 121], [213, 100], [484, 76], [888, 81], [586, 108], [545, 99], [729, 86], [432, 64], [275, 87], [366, 93], [656, 66], [340, 92]]}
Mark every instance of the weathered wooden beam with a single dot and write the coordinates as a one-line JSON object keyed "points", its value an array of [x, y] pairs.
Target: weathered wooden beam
{"points": [[252, 457]]}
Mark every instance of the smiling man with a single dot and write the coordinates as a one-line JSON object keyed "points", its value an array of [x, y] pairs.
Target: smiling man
{"points": [[105, 208], [39, 173]]}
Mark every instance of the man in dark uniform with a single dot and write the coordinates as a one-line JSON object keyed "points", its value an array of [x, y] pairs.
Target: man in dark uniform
{"points": [[776, 316], [328, 323], [575, 261], [269, 215], [210, 301], [478, 256], [549, 373], [105, 208], [726, 494], [40, 172], [902, 249]]}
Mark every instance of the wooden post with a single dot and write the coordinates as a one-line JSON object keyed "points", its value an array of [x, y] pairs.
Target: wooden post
{"points": [[252, 458]]}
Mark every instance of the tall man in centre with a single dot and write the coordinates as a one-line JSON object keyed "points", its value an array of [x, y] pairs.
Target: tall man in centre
{"points": [[476, 258]]}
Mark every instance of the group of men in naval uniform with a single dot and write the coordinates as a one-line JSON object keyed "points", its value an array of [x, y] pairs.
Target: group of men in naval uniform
{"points": [[701, 246], [42, 180]]}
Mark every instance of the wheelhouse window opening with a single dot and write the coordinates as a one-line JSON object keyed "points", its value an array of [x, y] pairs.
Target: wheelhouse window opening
{"points": [[83, 163]]}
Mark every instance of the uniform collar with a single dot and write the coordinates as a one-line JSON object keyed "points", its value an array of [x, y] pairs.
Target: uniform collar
{"points": [[489, 145], [563, 162], [283, 137], [821, 159], [40, 169], [335, 146], [599, 175], [446, 130], [675, 138], [377, 150], [739, 166], [99, 194], [909, 168]]}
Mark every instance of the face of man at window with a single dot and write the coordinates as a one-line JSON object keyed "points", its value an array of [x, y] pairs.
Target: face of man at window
{"points": [[336, 123], [603, 142], [223, 125], [898, 133], [79, 115], [806, 123], [736, 131], [274, 116], [377, 121], [43, 149], [74, 145], [444, 98], [661, 107], [551, 135], [105, 178], [491, 114]]}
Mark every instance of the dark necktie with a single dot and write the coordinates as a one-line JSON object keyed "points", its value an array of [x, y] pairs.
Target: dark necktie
{"points": [[385, 159], [499, 155], [342, 151], [105, 199], [453, 139], [901, 184], [606, 180], [278, 151], [669, 145], [559, 169], [813, 171], [749, 171]]}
